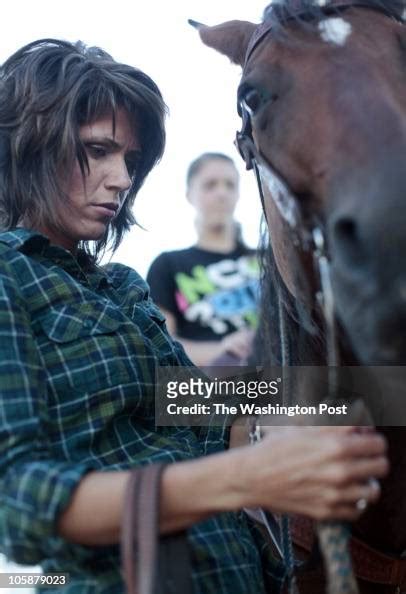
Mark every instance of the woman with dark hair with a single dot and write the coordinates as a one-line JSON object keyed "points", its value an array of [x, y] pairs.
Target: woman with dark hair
{"points": [[80, 345], [48, 91], [208, 292]]}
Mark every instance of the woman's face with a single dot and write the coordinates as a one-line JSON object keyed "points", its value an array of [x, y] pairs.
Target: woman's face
{"points": [[95, 200], [213, 191]]}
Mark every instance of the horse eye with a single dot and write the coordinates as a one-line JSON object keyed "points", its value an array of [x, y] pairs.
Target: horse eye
{"points": [[251, 101]]}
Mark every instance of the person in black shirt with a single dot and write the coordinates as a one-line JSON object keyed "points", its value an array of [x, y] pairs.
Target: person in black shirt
{"points": [[208, 292]]}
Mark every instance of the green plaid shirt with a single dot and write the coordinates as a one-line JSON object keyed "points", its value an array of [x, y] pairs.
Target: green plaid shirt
{"points": [[79, 346]]}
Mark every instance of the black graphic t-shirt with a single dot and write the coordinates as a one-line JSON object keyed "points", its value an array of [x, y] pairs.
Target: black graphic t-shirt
{"points": [[210, 294]]}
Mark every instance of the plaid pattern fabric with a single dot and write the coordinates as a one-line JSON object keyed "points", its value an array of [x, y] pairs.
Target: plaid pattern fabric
{"points": [[78, 350]]}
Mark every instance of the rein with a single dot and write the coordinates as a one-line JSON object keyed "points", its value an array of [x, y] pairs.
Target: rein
{"points": [[308, 235]]}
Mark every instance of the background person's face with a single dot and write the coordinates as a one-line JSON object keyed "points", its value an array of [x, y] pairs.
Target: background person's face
{"points": [[213, 191], [95, 201]]}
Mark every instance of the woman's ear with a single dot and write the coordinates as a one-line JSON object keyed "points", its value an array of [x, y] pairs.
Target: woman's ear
{"points": [[230, 38]]}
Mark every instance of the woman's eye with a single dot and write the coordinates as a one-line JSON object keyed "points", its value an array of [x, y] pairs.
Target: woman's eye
{"points": [[96, 151]]}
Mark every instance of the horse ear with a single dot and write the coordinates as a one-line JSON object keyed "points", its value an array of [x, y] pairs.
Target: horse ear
{"points": [[230, 38]]}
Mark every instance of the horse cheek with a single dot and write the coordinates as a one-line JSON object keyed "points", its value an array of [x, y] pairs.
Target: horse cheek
{"points": [[281, 243]]}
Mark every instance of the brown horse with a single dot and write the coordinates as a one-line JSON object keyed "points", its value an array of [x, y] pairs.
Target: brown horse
{"points": [[323, 101]]}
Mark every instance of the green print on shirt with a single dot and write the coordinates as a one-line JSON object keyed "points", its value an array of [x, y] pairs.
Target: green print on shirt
{"points": [[194, 286], [220, 296]]}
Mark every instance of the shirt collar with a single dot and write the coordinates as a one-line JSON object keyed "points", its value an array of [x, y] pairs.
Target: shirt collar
{"points": [[31, 242], [24, 240]]}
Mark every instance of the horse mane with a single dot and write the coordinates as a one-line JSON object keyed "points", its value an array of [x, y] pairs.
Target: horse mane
{"points": [[304, 339], [304, 13]]}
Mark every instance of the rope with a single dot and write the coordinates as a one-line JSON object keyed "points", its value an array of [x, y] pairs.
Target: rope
{"points": [[287, 546], [334, 540], [288, 556], [333, 537]]}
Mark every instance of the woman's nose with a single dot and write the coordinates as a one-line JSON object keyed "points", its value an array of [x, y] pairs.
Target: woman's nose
{"points": [[119, 177]]}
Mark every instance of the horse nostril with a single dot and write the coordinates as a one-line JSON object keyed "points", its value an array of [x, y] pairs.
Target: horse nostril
{"points": [[347, 238], [346, 229]]}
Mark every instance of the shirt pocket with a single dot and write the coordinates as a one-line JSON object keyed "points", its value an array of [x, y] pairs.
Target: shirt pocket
{"points": [[71, 322], [153, 324], [82, 348]]}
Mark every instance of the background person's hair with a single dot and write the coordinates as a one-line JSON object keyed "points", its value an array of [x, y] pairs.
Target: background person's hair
{"points": [[48, 89], [196, 165]]}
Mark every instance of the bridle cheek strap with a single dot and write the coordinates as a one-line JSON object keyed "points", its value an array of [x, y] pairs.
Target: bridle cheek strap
{"points": [[307, 237]]}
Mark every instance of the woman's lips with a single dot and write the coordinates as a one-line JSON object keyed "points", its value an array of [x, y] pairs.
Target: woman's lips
{"points": [[108, 209]]}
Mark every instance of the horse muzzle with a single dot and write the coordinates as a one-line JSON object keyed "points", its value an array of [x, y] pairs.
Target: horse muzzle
{"points": [[367, 239]]}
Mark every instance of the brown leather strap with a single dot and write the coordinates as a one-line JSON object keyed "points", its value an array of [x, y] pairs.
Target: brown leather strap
{"points": [[150, 564], [370, 565]]}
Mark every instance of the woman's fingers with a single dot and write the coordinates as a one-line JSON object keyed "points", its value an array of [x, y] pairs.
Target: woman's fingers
{"points": [[345, 512], [353, 501], [359, 470], [360, 444], [368, 491], [321, 473], [341, 504]]}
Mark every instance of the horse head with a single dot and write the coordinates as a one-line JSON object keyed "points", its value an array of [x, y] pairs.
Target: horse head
{"points": [[323, 98]]}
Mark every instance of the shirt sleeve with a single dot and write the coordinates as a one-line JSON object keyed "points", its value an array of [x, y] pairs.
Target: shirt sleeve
{"points": [[162, 283], [34, 488]]}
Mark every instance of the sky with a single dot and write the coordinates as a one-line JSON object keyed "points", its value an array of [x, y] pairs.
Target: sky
{"points": [[198, 84]]}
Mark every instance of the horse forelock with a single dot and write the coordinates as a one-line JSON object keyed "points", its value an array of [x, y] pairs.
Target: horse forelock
{"points": [[303, 13]]}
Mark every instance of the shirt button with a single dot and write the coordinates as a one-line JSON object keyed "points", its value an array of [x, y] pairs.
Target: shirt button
{"points": [[88, 324]]}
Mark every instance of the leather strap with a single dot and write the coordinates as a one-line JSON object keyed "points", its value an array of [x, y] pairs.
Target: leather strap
{"points": [[151, 565], [369, 564]]}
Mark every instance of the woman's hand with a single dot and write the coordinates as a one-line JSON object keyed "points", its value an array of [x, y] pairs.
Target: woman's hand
{"points": [[320, 472]]}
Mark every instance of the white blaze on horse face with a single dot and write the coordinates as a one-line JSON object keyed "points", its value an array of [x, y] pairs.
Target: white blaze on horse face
{"points": [[335, 30], [281, 196]]}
